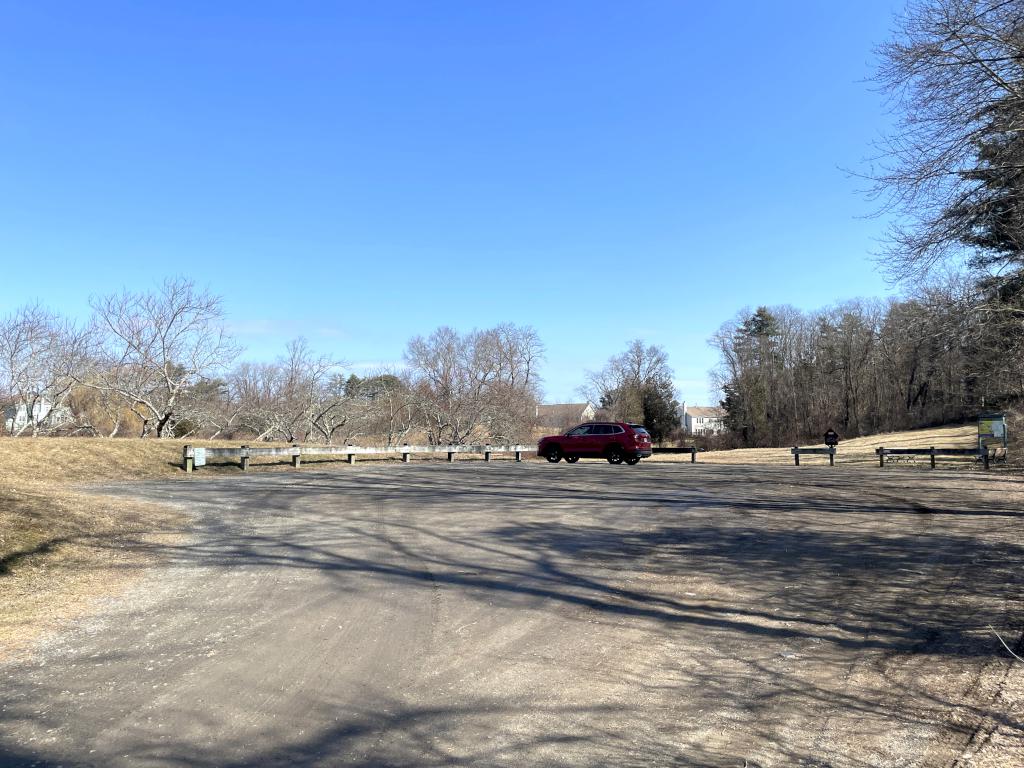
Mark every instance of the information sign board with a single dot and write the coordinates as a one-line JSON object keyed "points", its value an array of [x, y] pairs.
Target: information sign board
{"points": [[992, 429]]}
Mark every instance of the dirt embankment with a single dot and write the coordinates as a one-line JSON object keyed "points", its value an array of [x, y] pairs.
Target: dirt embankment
{"points": [[61, 548]]}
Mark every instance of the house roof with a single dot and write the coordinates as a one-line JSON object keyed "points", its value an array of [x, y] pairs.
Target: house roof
{"points": [[551, 408], [706, 411], [561, 411]]}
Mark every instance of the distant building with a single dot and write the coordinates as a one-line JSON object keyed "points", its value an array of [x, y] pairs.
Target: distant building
{"points": [[16, 417], [564, 415], [703, 420]]}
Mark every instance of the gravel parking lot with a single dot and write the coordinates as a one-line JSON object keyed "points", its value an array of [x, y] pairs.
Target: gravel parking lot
{"points": [[534, 614]]}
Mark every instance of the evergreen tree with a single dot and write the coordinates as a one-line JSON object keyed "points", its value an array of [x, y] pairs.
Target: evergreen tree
{"points": [[660, 409]]}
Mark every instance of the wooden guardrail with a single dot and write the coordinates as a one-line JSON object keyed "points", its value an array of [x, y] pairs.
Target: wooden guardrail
{"points": [[796, 450], [932, 452], [193, 456]]}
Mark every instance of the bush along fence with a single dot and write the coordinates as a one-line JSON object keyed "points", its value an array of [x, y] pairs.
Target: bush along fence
{"points": [[194, 456]]}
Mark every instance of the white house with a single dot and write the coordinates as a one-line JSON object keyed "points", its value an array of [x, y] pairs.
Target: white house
{"points": [[703, 420], [16, 417]]}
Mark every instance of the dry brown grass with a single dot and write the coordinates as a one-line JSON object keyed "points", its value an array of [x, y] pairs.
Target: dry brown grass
{"points": [[94, 460], [859, 450], [63, 548]]}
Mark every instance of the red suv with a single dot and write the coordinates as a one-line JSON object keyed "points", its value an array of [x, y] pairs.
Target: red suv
{"points": [[616, 441]]}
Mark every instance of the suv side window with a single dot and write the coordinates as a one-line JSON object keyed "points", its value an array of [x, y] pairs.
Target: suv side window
{"points": [[580, 431], [616, 430], [602, 429]]}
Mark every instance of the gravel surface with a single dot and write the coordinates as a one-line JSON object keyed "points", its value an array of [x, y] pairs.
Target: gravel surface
{"points": [[534, 614]]}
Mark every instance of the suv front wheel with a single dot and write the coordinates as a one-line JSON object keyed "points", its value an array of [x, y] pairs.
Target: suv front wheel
{"points": [[554, 454]]}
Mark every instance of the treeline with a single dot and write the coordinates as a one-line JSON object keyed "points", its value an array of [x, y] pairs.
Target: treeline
{"points": [[864, 367], [162, 364]]}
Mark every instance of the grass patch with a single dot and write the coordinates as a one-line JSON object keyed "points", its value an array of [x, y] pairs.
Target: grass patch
{"points": [[62, 548]]}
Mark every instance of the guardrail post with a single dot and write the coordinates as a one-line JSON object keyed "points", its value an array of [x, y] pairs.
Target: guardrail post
{"points": [[931, 456], [188, 458], [831, 455], [451, 456], [405, 453], [796, 456], [519, 455], [693, 454], [881, 456], [296, 456], [487, 453], [243, 460], [984, 457]]}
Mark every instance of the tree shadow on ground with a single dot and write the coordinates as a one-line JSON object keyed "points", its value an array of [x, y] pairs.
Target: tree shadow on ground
{"points": [[762, 571]]}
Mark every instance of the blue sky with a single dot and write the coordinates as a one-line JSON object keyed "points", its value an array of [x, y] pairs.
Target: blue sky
{"points": [[359, 173]]}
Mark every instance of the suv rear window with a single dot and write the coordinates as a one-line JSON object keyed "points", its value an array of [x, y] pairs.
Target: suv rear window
{"points": [[639, 428]]}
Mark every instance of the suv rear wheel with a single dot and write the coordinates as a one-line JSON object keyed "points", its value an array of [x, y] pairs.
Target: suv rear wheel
{"points": [[633, 460], [572, 459], [554, 454], [614, 454]]}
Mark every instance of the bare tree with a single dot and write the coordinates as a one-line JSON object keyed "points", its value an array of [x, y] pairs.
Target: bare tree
{"points": [[514, 353], [258, 388], [482, 384], [636, 385], [209, 409], [299, 395], [41, 354], [391, 406], [152, 348], [954, 165], [343, 410]]}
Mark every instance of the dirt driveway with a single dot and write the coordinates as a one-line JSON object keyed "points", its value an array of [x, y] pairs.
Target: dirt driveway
{"points": [[533, 614]]}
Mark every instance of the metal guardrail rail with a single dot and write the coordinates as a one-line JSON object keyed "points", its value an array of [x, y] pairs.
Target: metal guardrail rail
{"points": [[190, 453]]}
